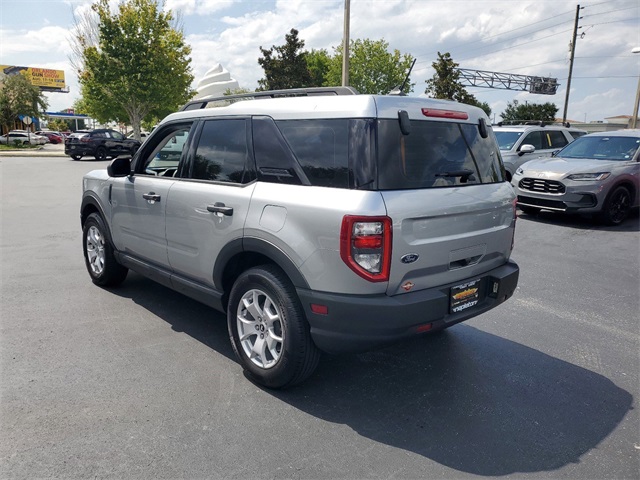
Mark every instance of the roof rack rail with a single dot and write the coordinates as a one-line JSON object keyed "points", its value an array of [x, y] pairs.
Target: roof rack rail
{"points": [[224, 100]]}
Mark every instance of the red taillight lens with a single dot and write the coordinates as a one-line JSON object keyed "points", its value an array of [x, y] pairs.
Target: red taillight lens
{"points": [[439, 113], [365, 246], [85, 139]]}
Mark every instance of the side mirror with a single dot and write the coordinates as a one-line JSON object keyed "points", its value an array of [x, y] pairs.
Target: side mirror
{"points": [[526, 148], [120, 167]]}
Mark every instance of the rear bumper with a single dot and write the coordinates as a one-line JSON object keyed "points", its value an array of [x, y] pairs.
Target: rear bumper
{"points": [[76, 149], [360, 322]]}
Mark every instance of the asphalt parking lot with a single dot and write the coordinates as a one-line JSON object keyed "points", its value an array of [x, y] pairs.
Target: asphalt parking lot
{"points": [[141, 382]]}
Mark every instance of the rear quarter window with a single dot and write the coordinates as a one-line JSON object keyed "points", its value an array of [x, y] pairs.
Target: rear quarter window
{"points": [[321, 148]]}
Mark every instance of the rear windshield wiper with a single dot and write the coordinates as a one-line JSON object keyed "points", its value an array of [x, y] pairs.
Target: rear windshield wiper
{"points": [[464, 175]]}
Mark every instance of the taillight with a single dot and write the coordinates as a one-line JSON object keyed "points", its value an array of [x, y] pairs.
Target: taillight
{"points": [[85, 139], [365, 246]]}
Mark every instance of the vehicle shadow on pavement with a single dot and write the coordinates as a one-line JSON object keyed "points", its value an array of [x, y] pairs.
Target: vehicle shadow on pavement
{"points": [[201, 322], [464, 398], [469, 400], [583, 222]]}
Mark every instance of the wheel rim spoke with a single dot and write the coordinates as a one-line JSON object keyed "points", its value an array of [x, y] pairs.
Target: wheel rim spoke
{"points": [[95, 250], [259, 327]]}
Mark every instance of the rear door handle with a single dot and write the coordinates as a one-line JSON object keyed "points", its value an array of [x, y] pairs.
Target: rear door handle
{"points": [[151, 197], [220, 207]]}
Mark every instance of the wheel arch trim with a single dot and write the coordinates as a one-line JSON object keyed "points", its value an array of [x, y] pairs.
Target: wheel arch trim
{"points": [[262, 247]]}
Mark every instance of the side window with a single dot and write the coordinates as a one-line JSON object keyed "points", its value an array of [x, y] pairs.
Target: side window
{"points": [[322, 148], [117, 135], [162, 156], [223, 152], [534, 139], [99, 135], [556, 139]]}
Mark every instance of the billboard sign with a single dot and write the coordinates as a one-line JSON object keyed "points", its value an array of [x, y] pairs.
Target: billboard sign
{"points": [[47, 79]]}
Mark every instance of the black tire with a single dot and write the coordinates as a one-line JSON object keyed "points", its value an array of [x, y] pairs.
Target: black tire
{"points": [[101, 153], [286, 355], [76, 157], [98, 254], [616, 206], [529, 210]]}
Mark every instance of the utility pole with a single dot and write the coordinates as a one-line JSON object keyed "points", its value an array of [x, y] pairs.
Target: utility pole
{"points": [[573, 51], [345, 46]]}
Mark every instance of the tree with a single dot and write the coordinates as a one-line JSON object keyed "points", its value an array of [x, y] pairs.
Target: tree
{"points": [[285, 66], [372, 68], [517, 112], [18, 96], [135, 65], [318, 63], [58, 125], [446, 84]]}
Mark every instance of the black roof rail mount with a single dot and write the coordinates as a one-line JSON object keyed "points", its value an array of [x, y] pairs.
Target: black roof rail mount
{"points": [[292, 92]]}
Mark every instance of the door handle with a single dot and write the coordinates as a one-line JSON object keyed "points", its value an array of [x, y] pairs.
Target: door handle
{"points": [[151, 197], [220, 207]]}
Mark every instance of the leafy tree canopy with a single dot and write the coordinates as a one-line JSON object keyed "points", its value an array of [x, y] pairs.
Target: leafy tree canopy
{"points": [[372, 68], [521, 112], [135, 65], [19, 97], [445, 84], [285, 66]]}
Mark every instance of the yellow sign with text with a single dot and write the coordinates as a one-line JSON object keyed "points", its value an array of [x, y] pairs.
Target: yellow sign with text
{"points": [[40, 77]]}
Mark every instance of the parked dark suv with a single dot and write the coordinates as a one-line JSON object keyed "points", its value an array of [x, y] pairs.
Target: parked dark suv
{"points": [[100, 143]]}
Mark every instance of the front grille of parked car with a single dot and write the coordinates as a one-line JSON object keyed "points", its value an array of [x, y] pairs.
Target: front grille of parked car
{"points": [[542, 185]]}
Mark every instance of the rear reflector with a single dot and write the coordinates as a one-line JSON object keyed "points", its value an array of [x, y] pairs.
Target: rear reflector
{"points": [[424, 328], [438, 113], [319, 309]]}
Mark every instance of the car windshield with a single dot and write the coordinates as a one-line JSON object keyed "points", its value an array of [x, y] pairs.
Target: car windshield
{"points": [[602, 148], [507, 139]]}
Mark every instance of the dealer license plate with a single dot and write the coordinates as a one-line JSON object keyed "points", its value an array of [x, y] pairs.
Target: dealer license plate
{"points": [[465, 296]]}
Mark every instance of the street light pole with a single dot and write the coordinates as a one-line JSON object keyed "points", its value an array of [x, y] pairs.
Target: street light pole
{"points": [[573, 51], [345, 46], [634, 119]]}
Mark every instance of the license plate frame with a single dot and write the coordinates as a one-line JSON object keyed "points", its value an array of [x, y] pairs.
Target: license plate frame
{"points": [[464, 296]]}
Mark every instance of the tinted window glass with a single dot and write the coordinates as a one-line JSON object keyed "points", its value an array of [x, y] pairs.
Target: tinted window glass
{"points": [[222, 152], [534, 139], [435, 154], [322, 149], [506, 140], [274, 159], [556, 139], [602, 148], [165, 152]]}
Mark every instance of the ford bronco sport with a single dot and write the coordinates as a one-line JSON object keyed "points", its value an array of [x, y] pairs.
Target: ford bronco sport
{"points": [[316, 221]]}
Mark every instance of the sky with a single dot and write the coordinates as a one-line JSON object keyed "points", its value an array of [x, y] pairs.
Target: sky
{"points": [[507, 36]]}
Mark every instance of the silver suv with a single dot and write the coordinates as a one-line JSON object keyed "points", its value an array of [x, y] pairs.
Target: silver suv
{"points": [[521, 143], [334, 223]]}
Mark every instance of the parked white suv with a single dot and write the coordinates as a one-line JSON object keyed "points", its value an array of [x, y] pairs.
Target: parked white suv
{"points": [[333, 223], [521, 143]]}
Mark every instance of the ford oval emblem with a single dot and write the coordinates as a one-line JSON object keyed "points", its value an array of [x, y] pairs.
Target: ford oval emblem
{"points": [[409, 258]]}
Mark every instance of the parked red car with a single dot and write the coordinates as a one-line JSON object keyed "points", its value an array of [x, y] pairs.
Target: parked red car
{"points": [[54, 137]]}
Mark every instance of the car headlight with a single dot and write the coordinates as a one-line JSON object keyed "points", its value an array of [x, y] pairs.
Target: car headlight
{"points": [[589, 176], [519, 171]]}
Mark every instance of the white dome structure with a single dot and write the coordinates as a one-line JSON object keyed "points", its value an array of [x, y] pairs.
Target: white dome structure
{"points": [[215, 82]]}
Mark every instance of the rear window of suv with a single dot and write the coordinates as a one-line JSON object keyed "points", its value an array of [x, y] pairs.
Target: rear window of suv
{"points": [[432, 154]]}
